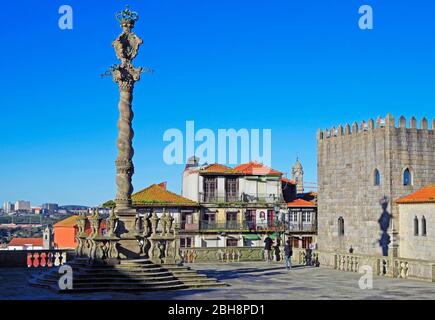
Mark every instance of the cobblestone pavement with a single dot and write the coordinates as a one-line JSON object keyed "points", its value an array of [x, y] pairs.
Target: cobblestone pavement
{"points": [[258, 281]]}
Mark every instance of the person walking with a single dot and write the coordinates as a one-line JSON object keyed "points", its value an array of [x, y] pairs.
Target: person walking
{"points": [[267, 248], [288, 252], [277, 252]]}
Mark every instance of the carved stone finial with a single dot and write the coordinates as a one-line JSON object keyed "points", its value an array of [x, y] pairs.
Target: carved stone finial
{"points": [[145, 225], [111, 223], [154, 222]]}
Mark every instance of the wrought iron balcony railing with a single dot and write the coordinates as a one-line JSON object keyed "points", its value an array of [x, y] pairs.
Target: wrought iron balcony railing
{"points": [[184, 226], [240, 226], [242, 198], [299, 227]]}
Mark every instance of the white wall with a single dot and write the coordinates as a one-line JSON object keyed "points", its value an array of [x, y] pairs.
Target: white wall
{"points": [[417, 247], [190, 188]]}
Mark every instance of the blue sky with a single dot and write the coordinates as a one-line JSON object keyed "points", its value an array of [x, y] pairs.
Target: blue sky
{"points": [[291, 66]]}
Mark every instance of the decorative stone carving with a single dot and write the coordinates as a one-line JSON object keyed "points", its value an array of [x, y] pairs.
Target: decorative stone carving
{"points": [[164, 222], [154, 223], [126, 47], [95, 222], [112, 223], [146, 226]]}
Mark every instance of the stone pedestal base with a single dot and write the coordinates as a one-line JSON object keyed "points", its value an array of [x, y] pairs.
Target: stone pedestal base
{"points": [[129, 245]]}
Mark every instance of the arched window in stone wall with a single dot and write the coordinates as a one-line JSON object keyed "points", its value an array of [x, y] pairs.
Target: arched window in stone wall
{"points": [[423, 226], [340, 227], [407, 177], [415, 226], [377, 178]]}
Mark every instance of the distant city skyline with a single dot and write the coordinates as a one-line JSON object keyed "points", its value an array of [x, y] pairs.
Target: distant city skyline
{"points": [[291, 67]]}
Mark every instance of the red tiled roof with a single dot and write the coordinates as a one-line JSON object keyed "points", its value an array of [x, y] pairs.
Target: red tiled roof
{"points": [[218, 168], [256, 168], [25, 241], [424, 195], [71, 221], [300, 203], [156, 194]]}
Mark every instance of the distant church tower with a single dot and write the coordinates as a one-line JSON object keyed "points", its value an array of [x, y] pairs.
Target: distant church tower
{"points": [[47, 239], [298, 176]]}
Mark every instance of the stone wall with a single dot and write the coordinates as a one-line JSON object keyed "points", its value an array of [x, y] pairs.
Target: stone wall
{"points": [[347, 160]]}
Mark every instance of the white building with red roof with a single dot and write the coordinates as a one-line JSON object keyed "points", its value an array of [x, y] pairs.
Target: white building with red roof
{"points": [[25, 244], [417, 224], [241, 205]]}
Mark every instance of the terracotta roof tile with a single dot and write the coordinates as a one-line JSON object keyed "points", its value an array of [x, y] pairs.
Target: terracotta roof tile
{"points": [[256, 168], [156, 194], [300, 203], [71, 221], [218, 168], [26, 241], [424, 195]]}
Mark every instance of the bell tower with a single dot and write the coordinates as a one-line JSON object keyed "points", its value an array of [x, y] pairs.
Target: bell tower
{"points": [[47, 240], [298, 176]]}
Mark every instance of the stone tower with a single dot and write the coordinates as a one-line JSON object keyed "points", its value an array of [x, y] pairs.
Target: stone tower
{"points": [[362, 170], [47, 238], [298, 176]]}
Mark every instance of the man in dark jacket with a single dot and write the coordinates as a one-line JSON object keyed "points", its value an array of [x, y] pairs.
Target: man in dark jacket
{"points": [[288, 252], [267, 248]]}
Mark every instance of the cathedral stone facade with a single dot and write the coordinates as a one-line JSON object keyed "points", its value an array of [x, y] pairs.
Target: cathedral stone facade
{"points": [[362, 170]]}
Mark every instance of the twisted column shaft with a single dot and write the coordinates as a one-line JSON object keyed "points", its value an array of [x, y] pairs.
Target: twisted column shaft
{"points": [[124, 164]]}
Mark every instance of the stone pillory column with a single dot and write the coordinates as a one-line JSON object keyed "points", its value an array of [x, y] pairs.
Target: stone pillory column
{"points": [[125, 75]]}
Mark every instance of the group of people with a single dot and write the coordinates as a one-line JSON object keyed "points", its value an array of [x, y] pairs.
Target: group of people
{"points": [[274, 247], [270, 246]]}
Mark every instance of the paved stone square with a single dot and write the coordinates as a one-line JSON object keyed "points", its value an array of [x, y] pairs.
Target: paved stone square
{"points": [[258, 281]]}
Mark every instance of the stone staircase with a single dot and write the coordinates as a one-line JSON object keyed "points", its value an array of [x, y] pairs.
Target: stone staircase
{"points": [[128, 275]]}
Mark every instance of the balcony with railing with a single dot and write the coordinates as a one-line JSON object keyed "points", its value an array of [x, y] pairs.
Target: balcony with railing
{"points": [[237, 226], [302, 227], [242, 198], [185, 226]]}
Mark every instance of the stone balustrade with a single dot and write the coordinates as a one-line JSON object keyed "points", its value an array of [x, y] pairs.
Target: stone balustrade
{"points": [[382, 266], [238, 254], [157, 238], [47, 259], [222, 254], [34, 258]]}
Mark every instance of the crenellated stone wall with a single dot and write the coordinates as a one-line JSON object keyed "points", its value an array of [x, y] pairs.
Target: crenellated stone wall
{"points": [[348, 158]]}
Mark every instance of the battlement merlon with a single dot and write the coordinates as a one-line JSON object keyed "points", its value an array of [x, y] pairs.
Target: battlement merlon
{"points": [[370, 125]]}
